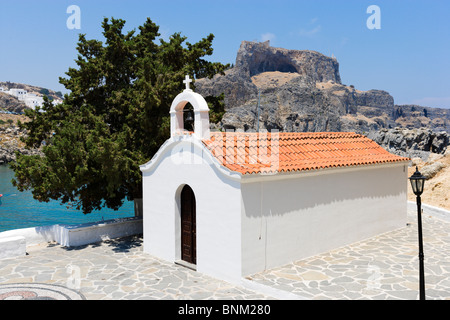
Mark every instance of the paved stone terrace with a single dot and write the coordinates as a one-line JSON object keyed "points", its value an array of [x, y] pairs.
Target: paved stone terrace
{"points": [[116, 269], [383, 267]]}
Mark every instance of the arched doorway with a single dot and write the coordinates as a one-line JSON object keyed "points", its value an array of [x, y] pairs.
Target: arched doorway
{"points": [[188, 226]]}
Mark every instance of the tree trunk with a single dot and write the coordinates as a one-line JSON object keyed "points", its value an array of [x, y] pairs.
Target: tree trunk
{"points": [[138, 210]]}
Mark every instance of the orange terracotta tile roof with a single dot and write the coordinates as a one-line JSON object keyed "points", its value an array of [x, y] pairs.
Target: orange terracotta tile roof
{"points": [[249, 153]]}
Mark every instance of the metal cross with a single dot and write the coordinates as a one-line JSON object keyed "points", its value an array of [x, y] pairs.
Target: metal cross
{"points": [[187, 81]]}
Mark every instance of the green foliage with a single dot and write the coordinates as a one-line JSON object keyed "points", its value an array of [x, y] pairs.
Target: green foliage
{"points": [[115, 117], [44, 91]]}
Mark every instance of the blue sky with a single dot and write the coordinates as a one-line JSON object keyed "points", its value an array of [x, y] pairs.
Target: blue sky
{"points": [[409, 56]]}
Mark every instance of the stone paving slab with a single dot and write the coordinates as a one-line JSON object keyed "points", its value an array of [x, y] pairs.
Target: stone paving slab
{"points": [[383, 267], [116, 269], [380, 268]]}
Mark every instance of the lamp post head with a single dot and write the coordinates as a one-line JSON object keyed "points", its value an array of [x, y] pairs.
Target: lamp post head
{"points": [[417, 182]]}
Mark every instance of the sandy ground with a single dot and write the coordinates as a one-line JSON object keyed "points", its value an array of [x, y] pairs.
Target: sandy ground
{"points": [[14, 117], [437, 188]]}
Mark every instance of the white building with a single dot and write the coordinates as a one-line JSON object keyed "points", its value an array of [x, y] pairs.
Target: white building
{"points": [[32, 100], [18, 93], [233, 204]]}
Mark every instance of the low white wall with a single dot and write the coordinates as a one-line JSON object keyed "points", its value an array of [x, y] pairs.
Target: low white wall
{"points": [[33, 236], [78, 234], [82, 234], [12, 247], [291, 219], [433, 211]]}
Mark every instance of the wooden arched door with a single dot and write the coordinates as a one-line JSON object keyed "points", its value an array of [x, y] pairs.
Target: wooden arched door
{"points": [[188, 228]]}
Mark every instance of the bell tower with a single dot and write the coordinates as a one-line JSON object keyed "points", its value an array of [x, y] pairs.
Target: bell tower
{"points": [[200, 110]]}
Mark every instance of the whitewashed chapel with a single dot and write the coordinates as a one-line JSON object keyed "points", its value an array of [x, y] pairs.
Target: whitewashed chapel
{"points": [[231, 204]]}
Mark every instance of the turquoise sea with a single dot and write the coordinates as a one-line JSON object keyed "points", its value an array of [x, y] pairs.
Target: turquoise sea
{"points": [[19, 209]]}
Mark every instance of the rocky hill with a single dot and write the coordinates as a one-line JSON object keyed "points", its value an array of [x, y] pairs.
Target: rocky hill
{"points": [[10, 133], [301, 90], [11, 103], [254, 58]]}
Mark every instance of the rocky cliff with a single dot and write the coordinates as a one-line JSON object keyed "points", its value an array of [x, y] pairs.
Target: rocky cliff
{"points": [[10, 135], [254, 58], [10, 144], [301, 90], [412, 143]]}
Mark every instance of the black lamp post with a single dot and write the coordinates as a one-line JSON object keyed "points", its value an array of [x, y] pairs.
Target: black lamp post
{"points": [[417, 183]]}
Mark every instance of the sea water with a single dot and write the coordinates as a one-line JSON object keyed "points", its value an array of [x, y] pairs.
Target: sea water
{"points": [[19, 209]]}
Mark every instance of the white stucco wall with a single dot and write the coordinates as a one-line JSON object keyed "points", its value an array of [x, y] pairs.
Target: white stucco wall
{"points": [[290, 219], [181, 161]]}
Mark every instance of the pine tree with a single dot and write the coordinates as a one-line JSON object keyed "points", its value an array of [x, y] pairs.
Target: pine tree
{"points": [[114, 118]]}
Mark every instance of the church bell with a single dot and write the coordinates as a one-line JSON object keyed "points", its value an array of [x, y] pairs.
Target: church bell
{"points": [[189, 122]]}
